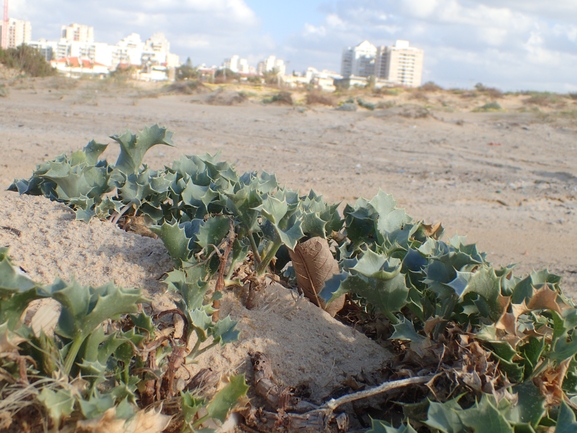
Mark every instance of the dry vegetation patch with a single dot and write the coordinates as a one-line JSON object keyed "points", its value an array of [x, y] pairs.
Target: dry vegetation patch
{"points": [[320, 98]]}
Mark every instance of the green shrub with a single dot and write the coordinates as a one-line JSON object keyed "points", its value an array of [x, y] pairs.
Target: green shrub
{"points": [[490, 106], [187, 71], [280, 98], [28, 60], [365, 104]]}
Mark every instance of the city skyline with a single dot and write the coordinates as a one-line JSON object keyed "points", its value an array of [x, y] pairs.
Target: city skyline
{"points": [[509, 44]]}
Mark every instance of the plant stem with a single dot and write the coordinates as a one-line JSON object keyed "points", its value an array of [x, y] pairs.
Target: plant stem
{"points": [[231, 270], [193, 353], [392, 318], [254, 247], [204, 349], [262, 267], [200, 421], [72, 352]]}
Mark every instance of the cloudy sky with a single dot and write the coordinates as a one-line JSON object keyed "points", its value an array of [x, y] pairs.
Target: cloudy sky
{"points": [[509, 44]]}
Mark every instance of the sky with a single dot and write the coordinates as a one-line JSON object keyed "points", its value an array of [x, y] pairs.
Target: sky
{"points": [[508, 44]]}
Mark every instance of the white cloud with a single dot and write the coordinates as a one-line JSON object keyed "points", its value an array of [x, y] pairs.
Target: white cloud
{"points": [[508, 43], [335, 22], [312, 30], [492, 36], [419, 8]]}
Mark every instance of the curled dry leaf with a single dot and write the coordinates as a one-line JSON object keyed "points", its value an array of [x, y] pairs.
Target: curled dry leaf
{"points": [[434, 230], [107, 423], [314, 264], [544, 298], [150, 421], [143, 422]]}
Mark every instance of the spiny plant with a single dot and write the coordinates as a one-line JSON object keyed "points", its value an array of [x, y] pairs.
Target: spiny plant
{"points": [[104, 364], [500, 347]]}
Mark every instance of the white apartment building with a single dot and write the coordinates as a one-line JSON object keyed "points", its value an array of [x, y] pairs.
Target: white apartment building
{"points": [[78, 41], [359, 61], [46, 48], [236, 64], [19, 32], [128, 50], [400, 64], [270, 63], [77, 33], [157, 50]]}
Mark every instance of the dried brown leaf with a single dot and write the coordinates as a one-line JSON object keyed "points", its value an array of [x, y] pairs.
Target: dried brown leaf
{"points": [[314, 264], [433, 230], [544, 298], [550, 382], [518, 309], [431, 323], [504, 301], [507, 323]]}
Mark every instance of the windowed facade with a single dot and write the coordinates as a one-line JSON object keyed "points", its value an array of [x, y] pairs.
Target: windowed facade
{"points": [[400, 63]]}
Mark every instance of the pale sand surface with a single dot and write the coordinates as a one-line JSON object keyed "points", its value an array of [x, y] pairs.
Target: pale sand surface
{"points": [[507, 180]]}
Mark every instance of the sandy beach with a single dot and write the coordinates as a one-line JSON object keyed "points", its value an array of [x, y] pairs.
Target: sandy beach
{"points": [[507, 180]]}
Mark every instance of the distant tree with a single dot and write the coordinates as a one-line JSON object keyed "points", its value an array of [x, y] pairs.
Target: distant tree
{"points": [[225, 75], [371, 82], [26, 59], [271, 76], [187, 71], [123, 73], [342, 84], [255, 79]]}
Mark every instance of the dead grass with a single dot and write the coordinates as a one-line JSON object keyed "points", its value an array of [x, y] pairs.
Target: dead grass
{"points": [[187, 87], [569, 114], [469, 94], [223, 97], [545, 99], [419, 95], [281, 98], [60, 82], [319, 98], [389, 91], [429, 86], [492, 93]]}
